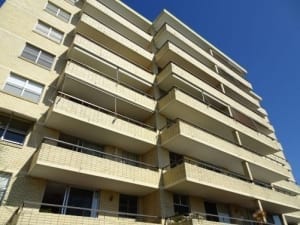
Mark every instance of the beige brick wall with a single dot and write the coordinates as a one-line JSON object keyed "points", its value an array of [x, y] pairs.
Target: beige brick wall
{"points": [[197, 204]]}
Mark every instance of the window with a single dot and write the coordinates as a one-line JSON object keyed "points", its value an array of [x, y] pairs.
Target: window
{"points": [[70, 200], [128, 204], [48, 31], [13, 130], [24, 88], [175, 159], [58, 12], [274, 219], [4, 180], [38, 56], [76, 144], [211, 211], [181, 204]]}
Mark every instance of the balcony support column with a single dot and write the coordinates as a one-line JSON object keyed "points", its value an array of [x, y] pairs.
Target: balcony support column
{"points": [[222, 88], [247, 170], [262, 214], [237, 137], [284, 220]]}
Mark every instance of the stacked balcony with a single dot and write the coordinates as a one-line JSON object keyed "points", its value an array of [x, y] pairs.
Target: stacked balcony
{"points": [[186, 139], [217, 184]]}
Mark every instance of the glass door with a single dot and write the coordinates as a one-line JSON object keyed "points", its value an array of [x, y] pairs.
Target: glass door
{"points": [[79, 198]]}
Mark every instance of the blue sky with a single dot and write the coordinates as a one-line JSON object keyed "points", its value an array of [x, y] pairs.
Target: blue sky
{"points": [[261, 35]]}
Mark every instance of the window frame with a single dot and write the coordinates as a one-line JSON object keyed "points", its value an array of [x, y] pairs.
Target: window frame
{"points": [[181, 205], [7, 128], [38, 56], [24, 88], [4, 189], [50, 30], [59, 9], [129, 206]]}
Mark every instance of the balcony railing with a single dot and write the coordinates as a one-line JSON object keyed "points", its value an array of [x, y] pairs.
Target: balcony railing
{"points": [[171, 122], [104, 110], [118, 69], [208, 99], [97, 153], [207, 218], [214, 168], [41, 213]]}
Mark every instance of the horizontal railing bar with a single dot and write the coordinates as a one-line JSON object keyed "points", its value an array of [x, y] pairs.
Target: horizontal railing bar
{"points": [[91, 105], [101, 152], [114, 96], [217, 169], [195, 214], [88, 209], [224, 172], [111, 78], [210, 132], [109, 62]]}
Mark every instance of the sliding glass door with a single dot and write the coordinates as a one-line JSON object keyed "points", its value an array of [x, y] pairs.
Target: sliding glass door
{"points": [[70, 200]]}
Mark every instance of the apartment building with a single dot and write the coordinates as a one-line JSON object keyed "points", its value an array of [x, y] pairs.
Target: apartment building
{"points": [[109, 118]]}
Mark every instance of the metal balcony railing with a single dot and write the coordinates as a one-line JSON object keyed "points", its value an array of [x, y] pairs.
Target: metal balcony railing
{"points": [[225, 172], [213, 218], [118, 69], [104, 110], [96, 153], [171, 122], [33, 212]]}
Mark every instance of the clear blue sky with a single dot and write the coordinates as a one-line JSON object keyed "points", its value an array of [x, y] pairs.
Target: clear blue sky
{"points": [[261, 35]]}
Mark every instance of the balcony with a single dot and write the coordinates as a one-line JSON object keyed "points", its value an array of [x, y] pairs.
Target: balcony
{"points": [[101, 89], [68, 163], [198, 69], [115, 42], [186, 139], [130, 25], [99, 58], [29, 214], [214, 115], [293, 218], [172, 75], [167, 18], [96, 124], [217, 184], [168, 33], [288, 187]]}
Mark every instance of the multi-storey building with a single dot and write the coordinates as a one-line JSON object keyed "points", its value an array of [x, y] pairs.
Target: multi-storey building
{"points": [[108, 118]]}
